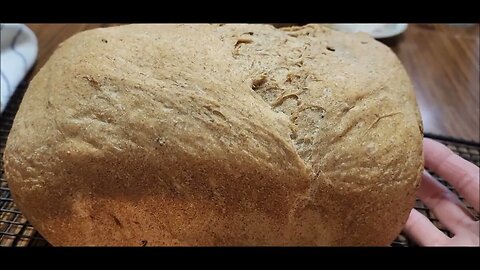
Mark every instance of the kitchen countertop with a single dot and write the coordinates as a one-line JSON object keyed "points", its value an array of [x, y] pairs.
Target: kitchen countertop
{"points": [[442, 61]]}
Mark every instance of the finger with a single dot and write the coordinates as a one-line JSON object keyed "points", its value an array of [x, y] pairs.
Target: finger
{"points": [[463, 175], [445, 204], [422, 231], [471, 238]]}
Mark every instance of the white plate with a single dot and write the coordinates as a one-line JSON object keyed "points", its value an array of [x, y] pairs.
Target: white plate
{"points": [[375, 30]]}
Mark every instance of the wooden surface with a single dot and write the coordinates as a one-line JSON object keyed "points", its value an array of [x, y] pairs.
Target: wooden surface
{"points": [[442, 61]]}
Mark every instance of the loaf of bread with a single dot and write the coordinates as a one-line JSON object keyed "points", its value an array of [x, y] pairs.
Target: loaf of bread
{"points": [[225, 135]]}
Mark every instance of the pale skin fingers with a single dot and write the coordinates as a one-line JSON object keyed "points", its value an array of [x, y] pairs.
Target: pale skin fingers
{"points": [[444, 203], [463, 175], [422, 231], [470, 237]]}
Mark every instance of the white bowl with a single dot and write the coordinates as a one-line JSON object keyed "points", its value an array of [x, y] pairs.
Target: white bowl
{"points": [[376, 30]]}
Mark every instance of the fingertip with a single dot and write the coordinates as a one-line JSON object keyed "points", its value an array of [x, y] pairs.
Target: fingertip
{"points": [[428, 140], [434, 153], [412, 219], [432, 146], [421, 230]]}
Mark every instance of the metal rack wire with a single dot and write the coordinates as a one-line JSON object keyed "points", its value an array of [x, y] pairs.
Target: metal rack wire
{"points": [[15, 230]]}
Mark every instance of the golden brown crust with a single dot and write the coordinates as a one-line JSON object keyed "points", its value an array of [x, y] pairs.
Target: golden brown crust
{"points": [[217, 135]]}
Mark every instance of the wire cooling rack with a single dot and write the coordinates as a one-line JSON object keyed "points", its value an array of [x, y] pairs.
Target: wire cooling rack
{"points": [[15, 230]]}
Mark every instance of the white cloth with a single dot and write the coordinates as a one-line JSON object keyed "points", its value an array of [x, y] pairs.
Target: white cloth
{"points": [[19, 48]]}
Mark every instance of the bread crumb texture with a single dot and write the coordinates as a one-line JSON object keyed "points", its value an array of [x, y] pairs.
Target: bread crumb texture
{"points": [[217, 135]]}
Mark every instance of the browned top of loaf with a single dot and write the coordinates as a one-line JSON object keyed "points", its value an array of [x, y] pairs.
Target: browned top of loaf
{"points": [[313, 133]]}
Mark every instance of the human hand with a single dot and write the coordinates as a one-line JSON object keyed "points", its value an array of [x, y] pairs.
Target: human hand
{"points": [[464, 177]]}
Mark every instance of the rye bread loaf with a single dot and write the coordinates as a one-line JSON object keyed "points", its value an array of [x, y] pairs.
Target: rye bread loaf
{"points": [[217, 135]]}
